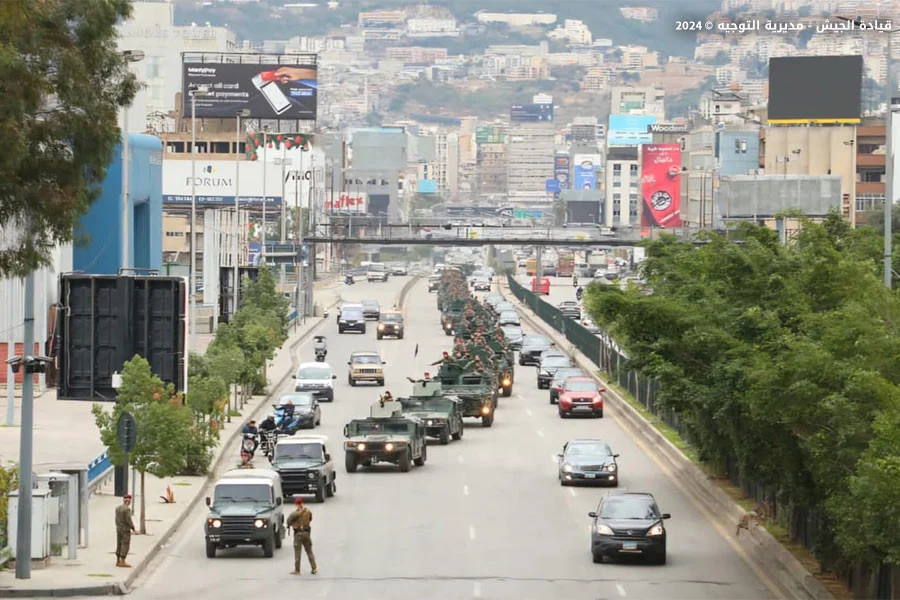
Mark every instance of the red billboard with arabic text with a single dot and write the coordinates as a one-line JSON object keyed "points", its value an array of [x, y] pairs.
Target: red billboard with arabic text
{"points": [[661, 185]]}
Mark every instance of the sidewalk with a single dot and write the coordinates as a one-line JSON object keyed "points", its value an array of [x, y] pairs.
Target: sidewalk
{"points": [[93, 572]]}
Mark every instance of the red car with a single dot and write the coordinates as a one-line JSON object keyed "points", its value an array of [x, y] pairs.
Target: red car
{"points": [[581, 396]]}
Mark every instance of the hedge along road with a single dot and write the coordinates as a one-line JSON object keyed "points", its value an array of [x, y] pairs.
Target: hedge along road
{"points": [[485, 517]]}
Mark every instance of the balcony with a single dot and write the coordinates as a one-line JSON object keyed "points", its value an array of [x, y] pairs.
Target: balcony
{"points": [[870, 160], [869, 187]]}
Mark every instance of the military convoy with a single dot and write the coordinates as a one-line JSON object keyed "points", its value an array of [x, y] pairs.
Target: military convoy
{"points": [[386, 436]]}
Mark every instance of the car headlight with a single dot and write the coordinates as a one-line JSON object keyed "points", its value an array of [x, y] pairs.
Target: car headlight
{"points": [[656, 530], [389, 447], [507, 381], [610, 468], [214, 523], [259, 523], [567, 468], [485, 410], [430, 422], [604, 530], [381, 328], [360, 447], [311, 476]]}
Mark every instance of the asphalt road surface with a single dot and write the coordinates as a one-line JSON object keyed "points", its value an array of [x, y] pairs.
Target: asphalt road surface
{"points": [[484, 518]]}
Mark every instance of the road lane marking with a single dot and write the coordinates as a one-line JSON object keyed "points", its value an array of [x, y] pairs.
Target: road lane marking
{"points": [[529, 413], [466, 490], [476, 590], [621, 589], [572, 493], [540, 433], [471, 532], [459, 458], [773, 587]]}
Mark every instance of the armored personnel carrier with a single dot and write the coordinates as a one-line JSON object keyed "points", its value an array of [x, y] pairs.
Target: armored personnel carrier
{"points": [[440, 413], [386, 436]]}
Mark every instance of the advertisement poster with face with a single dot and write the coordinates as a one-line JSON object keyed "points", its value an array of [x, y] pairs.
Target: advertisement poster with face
{"points": [[661, 185]]}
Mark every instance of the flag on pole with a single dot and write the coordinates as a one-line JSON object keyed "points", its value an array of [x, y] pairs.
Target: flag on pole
{"points": [[417, 351]]}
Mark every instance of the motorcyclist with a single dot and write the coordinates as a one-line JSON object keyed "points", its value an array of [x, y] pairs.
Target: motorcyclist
{"points": [[348, 279], [320, 346], [251, 429], [579, 293]]}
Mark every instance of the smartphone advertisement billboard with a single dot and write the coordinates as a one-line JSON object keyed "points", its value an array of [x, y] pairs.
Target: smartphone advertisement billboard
{"points": [[661, 185], [268, 91]]}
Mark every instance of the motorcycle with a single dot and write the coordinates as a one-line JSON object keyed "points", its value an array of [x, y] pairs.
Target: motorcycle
{"points": [[349, 280], [267, 440], [285, 423], [248, 445], [579, 293], [320, 348]]}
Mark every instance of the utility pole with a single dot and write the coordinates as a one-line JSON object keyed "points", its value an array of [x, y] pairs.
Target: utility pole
{"points": [[265, 160], [888, 169], [237, 213], [130, 56], [193, 270], [23, 523]]}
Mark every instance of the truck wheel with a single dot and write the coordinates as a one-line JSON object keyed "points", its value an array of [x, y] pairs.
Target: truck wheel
{"points": [[211, 549], [350, 381], [487, 420], [458, 435], [269, 547], [320, 493], [364, 330], [377, 336], [381, 382], [279, 539], [331, 489], [350, 462], [400, 337], [445, 437], [420, 462], [507, 392], [404, 462]]}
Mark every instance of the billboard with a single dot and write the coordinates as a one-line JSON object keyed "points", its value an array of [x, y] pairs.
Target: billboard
{"points": [[268, 91], [561, 169], [584, 171], [214, 183], [661, 185], [630, 130], [815, 89], [351, 203], [529, 113], [490, 134]]}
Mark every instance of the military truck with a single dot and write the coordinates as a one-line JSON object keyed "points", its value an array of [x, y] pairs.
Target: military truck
{"points": [[451, 314], [477, 392], [440, 413], [246, 510], [387, 436], [305, 466]]}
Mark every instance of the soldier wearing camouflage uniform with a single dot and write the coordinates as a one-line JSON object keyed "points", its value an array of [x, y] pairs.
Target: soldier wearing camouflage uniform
{"points": [[124, 529]]}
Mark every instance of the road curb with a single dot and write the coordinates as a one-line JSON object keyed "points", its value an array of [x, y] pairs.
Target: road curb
{"points": [[767, 552]]}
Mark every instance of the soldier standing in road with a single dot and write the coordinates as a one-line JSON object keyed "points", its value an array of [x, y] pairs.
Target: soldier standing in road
{"points": [[299, 521], [124, 529]]}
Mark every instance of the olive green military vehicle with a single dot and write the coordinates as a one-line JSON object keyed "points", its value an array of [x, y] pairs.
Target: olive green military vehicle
{"points": [[476, 391], [440, 413], [246, 510], [387, 436]]}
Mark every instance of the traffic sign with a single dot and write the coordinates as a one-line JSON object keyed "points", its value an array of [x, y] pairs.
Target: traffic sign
{"points": [[126, 432]]}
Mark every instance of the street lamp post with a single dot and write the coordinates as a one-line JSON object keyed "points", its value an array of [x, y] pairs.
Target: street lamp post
{"points": [[202, 90], [237, 213], [131, 56], [265, 160]]}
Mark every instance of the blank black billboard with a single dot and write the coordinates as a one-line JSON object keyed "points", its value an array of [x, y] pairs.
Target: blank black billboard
{"points": [[529, 113], [815, 88]]}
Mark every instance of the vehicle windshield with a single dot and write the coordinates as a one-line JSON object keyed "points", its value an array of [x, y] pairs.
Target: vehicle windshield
{"points": [[242, 492], [376, 267], [588, 449], [391, 318], [427, 404], [370, 304], [581, 386], [366, 428], [555, 361], [352, 313], [311, 450], [314, 373], [562, 374], [366, 359], [297, 399], [512, 331], [628, 508], [536, 341]]}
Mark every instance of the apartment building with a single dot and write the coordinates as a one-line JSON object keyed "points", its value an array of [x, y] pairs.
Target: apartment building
{"points": [[530, 156], [417, 55], [623, 191], [638, 100]]}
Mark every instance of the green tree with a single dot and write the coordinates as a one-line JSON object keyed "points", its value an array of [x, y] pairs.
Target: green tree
{"points": [[58, 121], [164, 425]]}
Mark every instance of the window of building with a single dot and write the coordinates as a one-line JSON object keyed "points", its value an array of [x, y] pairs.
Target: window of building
{"points": [[869, 202], [633, 206], [617, 205], [633, 170], [617, 169], [617, 183]]}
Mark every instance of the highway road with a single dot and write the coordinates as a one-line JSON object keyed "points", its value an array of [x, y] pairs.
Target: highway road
{"points": [[484, 518]]}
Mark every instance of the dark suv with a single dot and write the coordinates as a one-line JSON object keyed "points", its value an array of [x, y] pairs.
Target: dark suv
{"points": [[628, 524], [532, 348], [352, 319]]}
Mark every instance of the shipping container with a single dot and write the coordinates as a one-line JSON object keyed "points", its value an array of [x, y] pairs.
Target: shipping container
{"points": [[103, 321]]}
